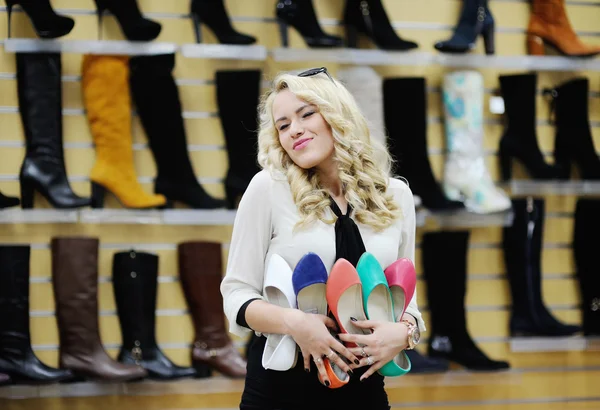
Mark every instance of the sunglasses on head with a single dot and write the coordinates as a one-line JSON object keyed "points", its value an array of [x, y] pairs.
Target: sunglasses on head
{"points": [[315, 71]]}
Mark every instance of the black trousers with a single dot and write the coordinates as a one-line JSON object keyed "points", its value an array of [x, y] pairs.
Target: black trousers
{"points": [[297, 389]]}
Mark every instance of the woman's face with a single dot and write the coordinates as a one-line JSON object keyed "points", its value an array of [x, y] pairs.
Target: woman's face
{"points": [[303, 132]]}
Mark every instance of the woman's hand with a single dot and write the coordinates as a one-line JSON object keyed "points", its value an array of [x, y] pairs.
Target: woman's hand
{"points": [[311, 333], [386, 342]]}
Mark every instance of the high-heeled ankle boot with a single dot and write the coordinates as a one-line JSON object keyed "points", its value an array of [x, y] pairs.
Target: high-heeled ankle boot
{"points": [[40, 105], [46, 22], [200, 272], [214, 15], [156, 97], [520, 136], [301, 15], [549, 24], [369, 17], [105, 86], [75, 287], [475, 19], [585, 253], [573, 140], [127, 12], [17, 358], [135, 281], [238, 93], [8, 201], [444, 256], [421, 364], [466, 175], [522, 244], [406, 123]]}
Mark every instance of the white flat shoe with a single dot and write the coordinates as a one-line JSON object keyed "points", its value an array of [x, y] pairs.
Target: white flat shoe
{"points": [[280, 351]]}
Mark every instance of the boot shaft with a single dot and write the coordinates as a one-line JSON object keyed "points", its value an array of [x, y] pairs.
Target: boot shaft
{"points": [[444, 256], [75, 286], [238, 94], [158, 105], [135, 282], [587, 225], [550, 12], [463, 109], [200, 270], [571, 105], [40, 103], [473, 13], [519, 94], [14, 299]]}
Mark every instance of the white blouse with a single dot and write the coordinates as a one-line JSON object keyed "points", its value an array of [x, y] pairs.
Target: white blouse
{"points": [[264, 226]]}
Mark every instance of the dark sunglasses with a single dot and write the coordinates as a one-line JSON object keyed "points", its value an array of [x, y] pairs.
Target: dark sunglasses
{"points": [[315, 71]]}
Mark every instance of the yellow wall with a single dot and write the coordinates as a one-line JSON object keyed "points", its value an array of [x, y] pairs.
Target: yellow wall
{"points": [[485, 257]]}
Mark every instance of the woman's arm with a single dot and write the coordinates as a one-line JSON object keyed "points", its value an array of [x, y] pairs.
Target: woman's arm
{"points": [[407, 249], [250, 240]]}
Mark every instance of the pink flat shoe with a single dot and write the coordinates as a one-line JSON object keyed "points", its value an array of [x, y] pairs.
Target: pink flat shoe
{"points": [[402, 281]]}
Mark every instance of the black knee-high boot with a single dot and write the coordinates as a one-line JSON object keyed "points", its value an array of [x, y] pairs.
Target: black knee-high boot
{"points": [[445, 268], [522, 243], [135, 285], [587, 226], [156, 97]]}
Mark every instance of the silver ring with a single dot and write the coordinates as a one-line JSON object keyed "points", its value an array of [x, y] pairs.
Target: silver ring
{"points": [[318, 360], [364, 354], [330, 354], [370, 360]]}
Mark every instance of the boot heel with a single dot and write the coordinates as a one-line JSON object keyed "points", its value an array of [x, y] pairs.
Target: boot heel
{"points": [[202, 370], [196, 22], [489, 40], [535, 45], [284, 33], [98, 192], [351, 36], [27, 192], [9, 6]]}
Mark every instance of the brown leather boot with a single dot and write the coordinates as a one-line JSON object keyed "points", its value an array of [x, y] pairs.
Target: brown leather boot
{"points": [[75, 285], [200, 270], [549, 23]]}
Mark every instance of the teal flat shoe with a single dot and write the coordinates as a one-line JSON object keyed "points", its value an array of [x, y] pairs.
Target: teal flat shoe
{"points": [[379, 306]]}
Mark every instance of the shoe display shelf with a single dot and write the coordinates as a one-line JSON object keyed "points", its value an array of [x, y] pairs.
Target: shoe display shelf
{"points": [[475, 61], [132, 48], [465, 219], [570, 187], [554, 344]]}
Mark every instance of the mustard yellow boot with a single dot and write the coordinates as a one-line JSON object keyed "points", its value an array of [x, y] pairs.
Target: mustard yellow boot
{"points": [[105, 84]]}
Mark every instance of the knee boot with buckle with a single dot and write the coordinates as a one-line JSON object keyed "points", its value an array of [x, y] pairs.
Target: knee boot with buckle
{"points": [[200, 271], [135, 281]]}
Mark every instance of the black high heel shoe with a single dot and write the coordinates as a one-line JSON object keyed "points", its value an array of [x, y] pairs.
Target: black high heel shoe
{"points": [[127, 12], [46, 22], [370, 18], [214, 14], [8, 201], [301, 15], [475, 19]]}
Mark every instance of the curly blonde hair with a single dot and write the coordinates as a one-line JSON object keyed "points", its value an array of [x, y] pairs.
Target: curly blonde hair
{"points": [[364, 164]]}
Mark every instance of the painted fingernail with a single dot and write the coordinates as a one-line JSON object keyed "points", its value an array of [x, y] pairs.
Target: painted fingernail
{"points": [[356, 361], [327, 383], [307, 370], [350, 372], [353, 319]]}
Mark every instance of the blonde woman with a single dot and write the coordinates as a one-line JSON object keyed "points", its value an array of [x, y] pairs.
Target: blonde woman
{"points": [[324, 188]]}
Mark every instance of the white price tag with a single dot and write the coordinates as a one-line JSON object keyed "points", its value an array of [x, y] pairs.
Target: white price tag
{"points": [[496, 105]]}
